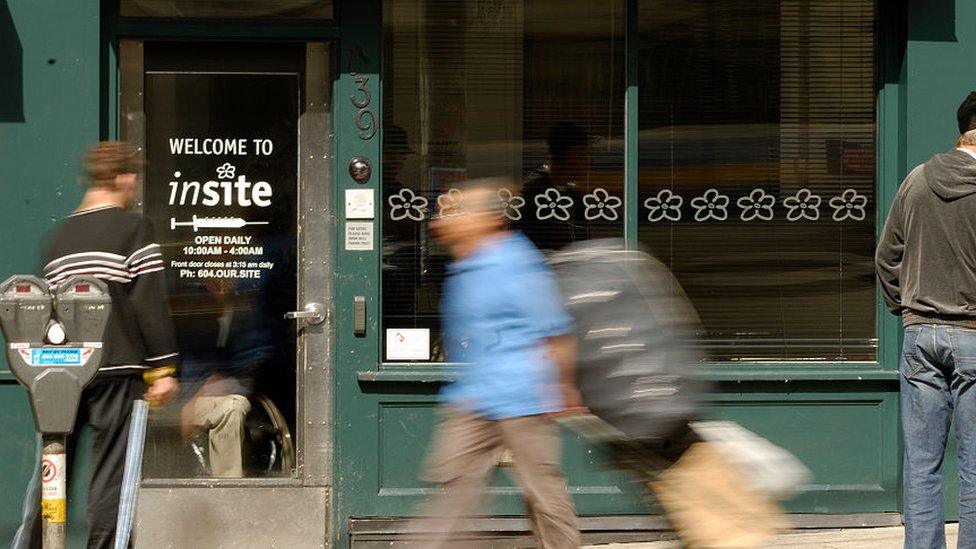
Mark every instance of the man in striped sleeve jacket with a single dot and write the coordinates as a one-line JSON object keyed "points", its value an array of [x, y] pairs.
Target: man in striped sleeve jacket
{"points": [[103, 239]]}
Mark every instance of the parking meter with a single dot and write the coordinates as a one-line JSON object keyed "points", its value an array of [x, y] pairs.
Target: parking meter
{"points": [[54, 342], [54, 349]]}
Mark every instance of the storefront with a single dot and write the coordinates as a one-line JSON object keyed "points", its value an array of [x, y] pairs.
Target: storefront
{"points": [[296, 148]]}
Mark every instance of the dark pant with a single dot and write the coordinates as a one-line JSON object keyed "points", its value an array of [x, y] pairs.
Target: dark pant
{"points": [[938, 386], [106, 405]]}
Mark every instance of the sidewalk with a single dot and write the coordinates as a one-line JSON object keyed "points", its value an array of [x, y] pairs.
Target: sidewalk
{"points": [[854, 538]]}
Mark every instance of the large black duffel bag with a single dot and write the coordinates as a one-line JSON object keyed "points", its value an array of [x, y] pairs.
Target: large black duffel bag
{"points": [[639, 352]]}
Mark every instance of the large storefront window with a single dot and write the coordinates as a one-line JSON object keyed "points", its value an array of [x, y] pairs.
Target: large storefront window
{"points": [[756, 166], [527, 90], [757, 170]]}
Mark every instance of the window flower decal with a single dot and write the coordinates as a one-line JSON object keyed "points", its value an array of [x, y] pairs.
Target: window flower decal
{"points": [[552, 204], [226, 171], [802, 205], [600, 203], [511, 204], [711, 205], [759, 204], [666, 205], [405, 204], [849, 205], [449, 203]]}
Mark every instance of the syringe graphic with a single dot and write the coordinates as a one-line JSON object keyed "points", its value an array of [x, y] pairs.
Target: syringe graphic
{"points": [[213, 223]]}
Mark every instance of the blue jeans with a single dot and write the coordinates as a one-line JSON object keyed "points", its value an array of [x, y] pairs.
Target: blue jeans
{"points": [[938, 386]]}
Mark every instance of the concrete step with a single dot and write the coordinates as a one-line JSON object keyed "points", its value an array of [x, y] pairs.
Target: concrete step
{"points": [[853, 538]]}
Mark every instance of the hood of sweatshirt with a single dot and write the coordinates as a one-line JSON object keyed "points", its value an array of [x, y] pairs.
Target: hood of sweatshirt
{"points": [[951, 175]]}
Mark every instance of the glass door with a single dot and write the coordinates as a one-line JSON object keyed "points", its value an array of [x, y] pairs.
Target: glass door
{"points": [[236, 179]]}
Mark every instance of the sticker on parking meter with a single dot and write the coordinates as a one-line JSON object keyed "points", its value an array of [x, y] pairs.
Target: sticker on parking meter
{"points": [[71, 356], [53, 488]]}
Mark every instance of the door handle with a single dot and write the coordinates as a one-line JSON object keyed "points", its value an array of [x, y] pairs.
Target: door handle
{"points": [[313, 313]]}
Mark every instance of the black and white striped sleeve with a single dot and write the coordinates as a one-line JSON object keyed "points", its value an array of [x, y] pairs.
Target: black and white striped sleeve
{"points": [[145, 260], [104, 265], [147, 294]]}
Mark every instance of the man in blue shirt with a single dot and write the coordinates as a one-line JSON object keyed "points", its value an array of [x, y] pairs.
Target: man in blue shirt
{"points": [[503, 318]]}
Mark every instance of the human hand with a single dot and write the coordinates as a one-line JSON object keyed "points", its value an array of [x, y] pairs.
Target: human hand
{"points": [[572, 401], [162, 391]]}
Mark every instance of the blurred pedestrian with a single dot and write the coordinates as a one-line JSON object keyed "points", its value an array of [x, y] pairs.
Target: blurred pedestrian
{"points": [[926, 264], [105, 240], [504, 320]]}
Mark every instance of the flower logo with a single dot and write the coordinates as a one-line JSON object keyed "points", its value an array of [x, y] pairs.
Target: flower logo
{"points": [[405, 204], [849, 205], [226, 171], [759, 204], [600, 203], [802, 205], [666, 205], [711, 205], [449, 203], [511, 204], [552, 204]]}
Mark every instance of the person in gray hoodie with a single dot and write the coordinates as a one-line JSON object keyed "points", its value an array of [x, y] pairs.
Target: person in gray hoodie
{"points": [[926, 265]]}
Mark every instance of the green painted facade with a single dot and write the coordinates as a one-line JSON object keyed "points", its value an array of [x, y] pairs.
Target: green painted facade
{"points": [[55, 105], [59, 95]]}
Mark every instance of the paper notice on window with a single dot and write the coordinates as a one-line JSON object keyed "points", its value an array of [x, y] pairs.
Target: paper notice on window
{"points": [[407, 344]]}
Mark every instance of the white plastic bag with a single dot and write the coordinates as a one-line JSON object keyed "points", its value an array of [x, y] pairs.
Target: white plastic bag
{"points": [[768, 467]]}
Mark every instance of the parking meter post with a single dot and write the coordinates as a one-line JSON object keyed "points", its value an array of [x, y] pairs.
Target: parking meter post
{"points": [[54, 492]]}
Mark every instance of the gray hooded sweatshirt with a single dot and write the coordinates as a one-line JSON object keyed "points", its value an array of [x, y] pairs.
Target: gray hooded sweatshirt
{"points": [[926, 258]]}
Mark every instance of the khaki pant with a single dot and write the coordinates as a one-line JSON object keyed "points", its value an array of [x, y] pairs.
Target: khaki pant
{"points": [[223, 418], [466, 449]]}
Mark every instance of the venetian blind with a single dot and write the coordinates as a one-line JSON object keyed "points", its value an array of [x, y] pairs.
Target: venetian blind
{"points": [[487, 89], [757, 170]]}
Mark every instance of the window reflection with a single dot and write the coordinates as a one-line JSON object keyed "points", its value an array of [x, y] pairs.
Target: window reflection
{"points": [[233, 342], [756, 169], [221, 187], [527, 90]]}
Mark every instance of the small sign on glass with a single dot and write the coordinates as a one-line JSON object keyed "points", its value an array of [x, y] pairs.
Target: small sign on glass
{"points": [[407, 344]]}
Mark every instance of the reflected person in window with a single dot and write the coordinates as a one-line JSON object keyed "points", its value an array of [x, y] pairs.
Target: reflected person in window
{"points": [[218, 383], [231, 340], [504, 320], [408, 266], [554, 201], [926, 264]]}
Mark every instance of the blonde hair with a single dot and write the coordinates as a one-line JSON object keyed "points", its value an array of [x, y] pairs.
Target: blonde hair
{"points": [[107, 160]]}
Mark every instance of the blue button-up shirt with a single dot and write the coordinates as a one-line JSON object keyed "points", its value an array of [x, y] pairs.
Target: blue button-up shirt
{"points": [[499, 305]]}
